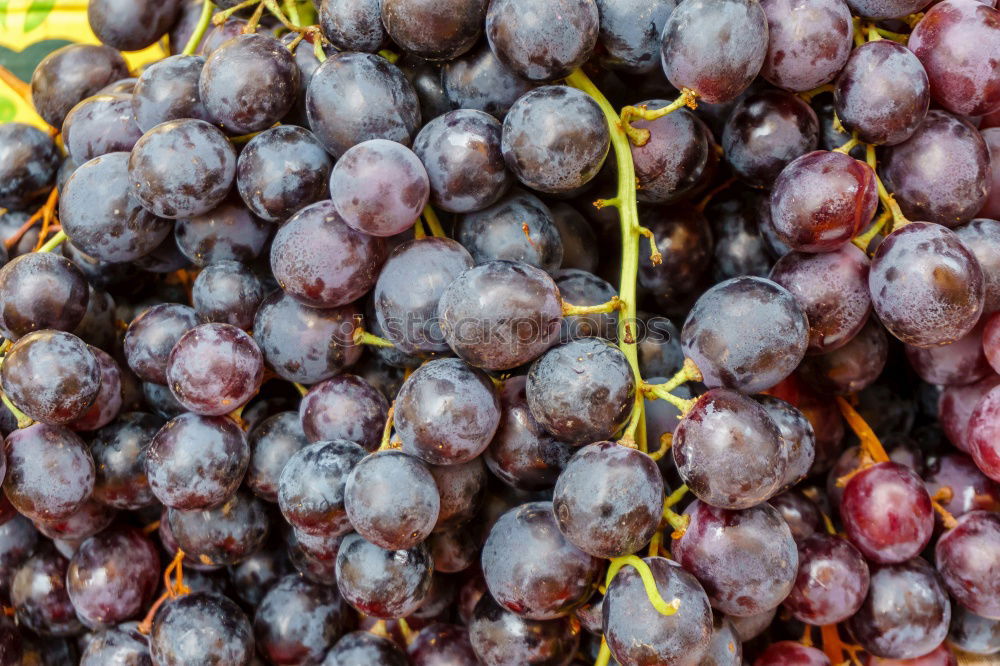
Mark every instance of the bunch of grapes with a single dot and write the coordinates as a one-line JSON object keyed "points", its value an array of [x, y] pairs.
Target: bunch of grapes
{"points": [[505, 333]]}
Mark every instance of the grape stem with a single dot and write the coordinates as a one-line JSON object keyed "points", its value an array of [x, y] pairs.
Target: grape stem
{"points": [[363, 337], [568, 309], [603, 654], [23, 420], [317, 40], [223, 16], [53, 242], [808, 95], [199, 30], [666, 441], [251, 26], [300, 388], [418, 229], [172, 589], [674, 519], [391, 56], [404, 628], [869, 441], [387, 430], [640, 136], [888, 34], [859, 32], [648, 582], [864, 240], [898, 219], [433, 223], [944, 494], [849, 146], [293, 12]]}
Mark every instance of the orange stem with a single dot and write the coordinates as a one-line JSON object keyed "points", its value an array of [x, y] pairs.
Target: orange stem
{"points": [[869, 441]]}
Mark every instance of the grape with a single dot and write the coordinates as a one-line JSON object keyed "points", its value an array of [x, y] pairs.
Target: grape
{"points": [[359, 648], [103, 218], [99, 125], [29, 161], [554, 157], [582, 391], [822, 200], [122, 86], [970, 489], [50, 472], [800, 512], [791, 653], [182, 168], [383, 583], [887, 514], [41, 290], [926, 286], [578, 239], [98, 327], [714, 48], [122, 644], [583, 288], [745, 559], [739, 247], [38, 594], [465, 166], [961, 362], [351, 25], [608, 501], [729, 451], [674, 159], [639, 634], [321, 261], [297, 620], [746, 333], [961, 81], [434, 30], [991, 209], [166, 258], [282, 170], [119, 450], [850, 368], [980, 434], [982, 238], [223, 535], [882, 93], [379, 187], [87, 521], [630, 32], [18, 539], [765, 132], [272, 443], [425, 77], [229, 293], [344, 407], [519, 227], [354, 97], [439, 644], [312, 484], [542, 42], [500, 637], [966, 559], [684, 240], [500, 314], [808, 42], [108, 401], [956, 405], [214, 368], [152, 335], [881, 9], [72, 73], [797, 435], [461, 489], [479, 81], [131, 25], [972, 633], [168, 90], [940, 174], [906, 612], [832, 581], [447, 412], [51, 376], [112, 577], [228, 232], [201, 628], [303, 344]]}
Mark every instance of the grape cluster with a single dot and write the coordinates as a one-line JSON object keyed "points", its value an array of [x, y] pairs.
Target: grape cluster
{"points": [[505, 333]]}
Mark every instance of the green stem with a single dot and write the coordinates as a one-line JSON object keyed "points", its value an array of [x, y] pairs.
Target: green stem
{"points": [[568, 309], [293, 11], [603, 654], [888, 201], [199, 30], [363, 337], [53, 242], [23, 420], [663, 607], [318, 47], [433, 223]]}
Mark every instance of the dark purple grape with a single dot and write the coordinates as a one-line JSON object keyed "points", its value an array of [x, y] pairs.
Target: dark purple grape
{"points": [[99, 125], [201, 628], [361, 648], [442, 644], [454, 550], [108, 401], [168, 90], [714, 48], [312, 484], [352, 25], [739, 247], [639, 634], [746, 560], [972, 633], [554, 157], [72, 73], [961, 81], [425, 77], [582, 288], [383, 583], [272, 443], [478, 80], [961, 362], [297, 621], [800, 512], [152, 335], [684, 240], [282, 170], [243, 103], [228, 232], [673, 161], [967, 559], [500, 314], [532, 569], [926, 286], [29, 161], [131, 25], [196, 462], [882, 9], [850, 368], [18, 539], [582, 391], [519, 228], [906, 613], [41, 290], [229, 293], [886, 511], [38, 594], [542, 42], [808, 42], [391, 500], [982, 238], [321, 261], [942, 172], [102, 217], [113, 576], [500, 637], [791, 653], [123, 644], [461, 151], [434, 30], [578, 239], [660, 352], [88, 520], [224, 535], [99, 326], [214, 368], [746, 333], [119, 450], [797, 435], [182, 168], [970, 489], [832, 581], [354, 97], [729, 452], [608, 500], [344, 407], [882, 93], [254, 576], [725, 648], [50, 472], [630, 33], [51, 376], [303, 344], [822, 200], [166, 258], [462, 488]]}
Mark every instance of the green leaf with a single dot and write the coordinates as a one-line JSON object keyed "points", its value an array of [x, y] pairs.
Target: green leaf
{"points": [[23, 63], [38, 11], [7, 110]]}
